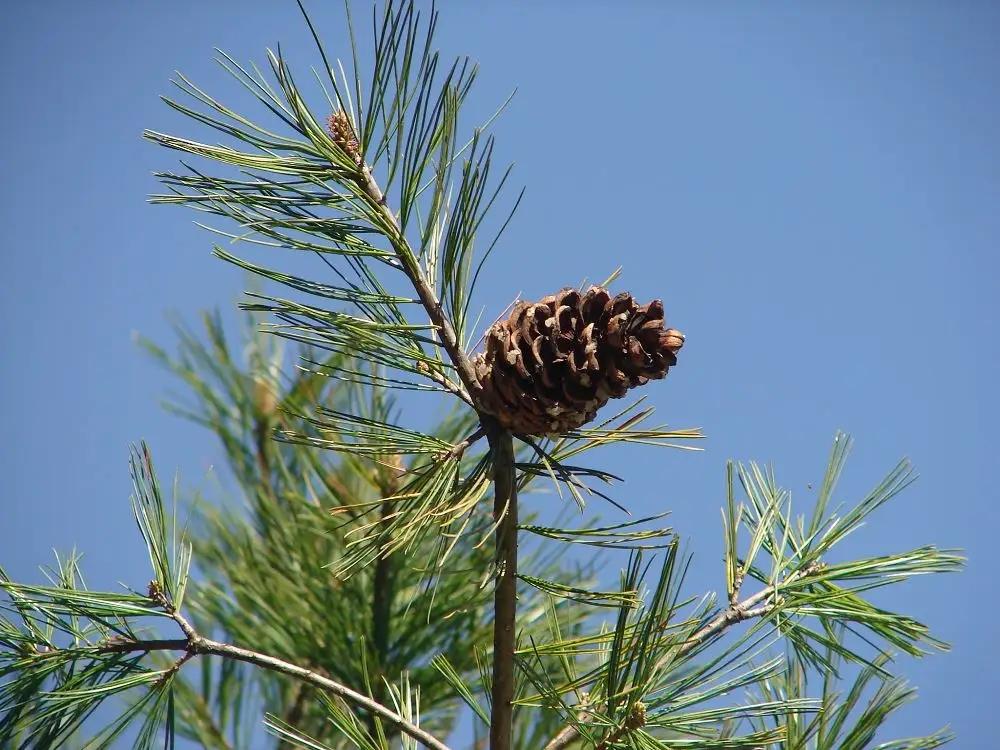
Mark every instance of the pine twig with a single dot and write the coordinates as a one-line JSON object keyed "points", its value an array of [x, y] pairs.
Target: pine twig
{"points": [[458, 450], [428, 298], [194, 644], [446, 383], [754, 606], [228, 651]]}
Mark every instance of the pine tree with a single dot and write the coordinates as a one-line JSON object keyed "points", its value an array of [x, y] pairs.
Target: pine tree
{"points": [[378, 582]]}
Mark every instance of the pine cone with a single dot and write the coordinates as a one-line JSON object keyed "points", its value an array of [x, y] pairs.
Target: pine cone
{"points": [[339, 126], [552, 364]]}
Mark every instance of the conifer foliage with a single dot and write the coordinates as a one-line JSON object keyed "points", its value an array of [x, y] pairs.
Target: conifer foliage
{"points": [[376, 583]]}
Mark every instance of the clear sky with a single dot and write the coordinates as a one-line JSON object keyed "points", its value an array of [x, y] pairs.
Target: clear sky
{"points": [[813, 189]]}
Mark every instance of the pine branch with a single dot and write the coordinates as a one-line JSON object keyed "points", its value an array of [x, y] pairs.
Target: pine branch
{"points": [[228, 651], [194, 644], [754, 606]]}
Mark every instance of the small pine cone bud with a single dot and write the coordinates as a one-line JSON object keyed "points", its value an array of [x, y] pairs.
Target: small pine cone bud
{"points": [[155, 592], [637, 716], [264, 397], [552, 364], [342, 132]]}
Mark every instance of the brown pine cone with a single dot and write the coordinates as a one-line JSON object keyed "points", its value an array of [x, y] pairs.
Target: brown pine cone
{"points": [[552, 364]]}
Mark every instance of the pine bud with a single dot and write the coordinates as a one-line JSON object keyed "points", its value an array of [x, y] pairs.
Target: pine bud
{"points": [[342, 133], [637, 716], [264, 398]]}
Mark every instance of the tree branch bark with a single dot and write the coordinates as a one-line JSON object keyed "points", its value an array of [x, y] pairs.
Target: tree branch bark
{"points": [[264, 661], [194, 644], [426, 293]]}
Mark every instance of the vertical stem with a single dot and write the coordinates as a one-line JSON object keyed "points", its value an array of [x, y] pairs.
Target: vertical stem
{"points": [[505, 597], [388, 479], [262, 433], [381, 614], [382, 600]]}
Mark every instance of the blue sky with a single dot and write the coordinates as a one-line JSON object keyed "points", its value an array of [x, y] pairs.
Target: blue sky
{"points": [[813, 191]]}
